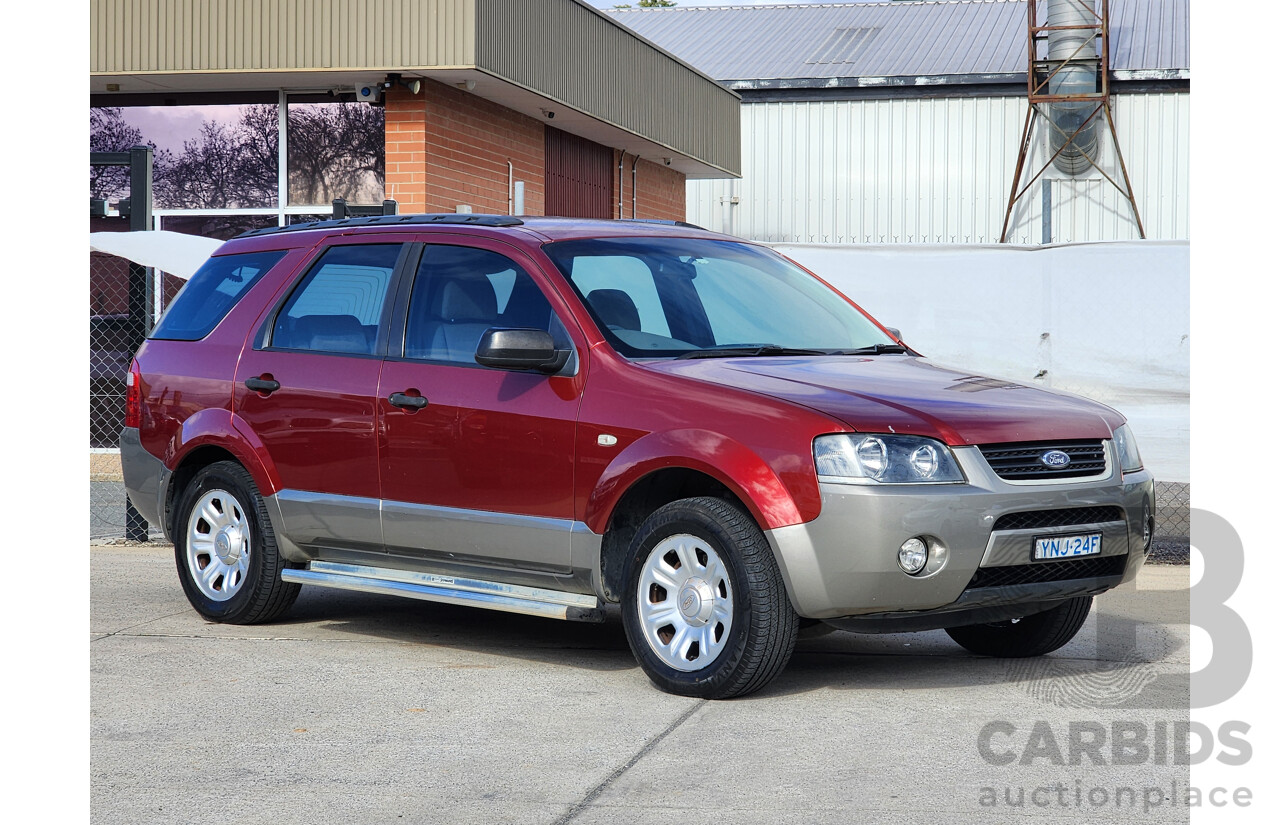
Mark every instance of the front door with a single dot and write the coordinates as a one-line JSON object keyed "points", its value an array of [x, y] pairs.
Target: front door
{"points": [[477, 464]]}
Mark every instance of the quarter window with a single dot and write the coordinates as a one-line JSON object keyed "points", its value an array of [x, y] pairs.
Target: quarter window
{"points": [[339, 306], [213, 290]]}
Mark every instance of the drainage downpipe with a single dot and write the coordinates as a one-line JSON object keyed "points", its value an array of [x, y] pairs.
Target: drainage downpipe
{"points": [[633, 187], [622, 157], [1073, 79]]}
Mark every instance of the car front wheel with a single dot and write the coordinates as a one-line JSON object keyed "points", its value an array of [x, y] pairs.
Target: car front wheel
{"points": [[705, 609], [226, 551]]}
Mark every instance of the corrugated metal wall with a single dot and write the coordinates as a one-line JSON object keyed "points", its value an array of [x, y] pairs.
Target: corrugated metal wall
{"points": [[134, 36], [937, 171], [597, 66]]}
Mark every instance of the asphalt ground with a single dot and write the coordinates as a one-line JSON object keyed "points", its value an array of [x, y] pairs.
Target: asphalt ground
{"points": [[362, 708]]}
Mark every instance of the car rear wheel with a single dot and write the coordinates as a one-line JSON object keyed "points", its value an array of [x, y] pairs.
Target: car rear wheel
{"points": [[226, 551], [1033, 635], [705, 609]]}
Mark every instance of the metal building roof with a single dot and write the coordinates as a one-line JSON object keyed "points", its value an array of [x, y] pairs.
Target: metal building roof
{"points": [[1149, 39]]}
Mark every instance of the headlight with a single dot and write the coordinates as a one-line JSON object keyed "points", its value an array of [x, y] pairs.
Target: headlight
{"points": [[884, 459], [1127, 445]]}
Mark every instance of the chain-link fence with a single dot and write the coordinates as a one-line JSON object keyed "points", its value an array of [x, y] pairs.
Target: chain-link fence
{"points": [[113, 338], [1173, 523]]}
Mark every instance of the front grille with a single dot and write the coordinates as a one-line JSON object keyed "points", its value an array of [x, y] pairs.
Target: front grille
{"points": [[1048, 571], [1021, 461], [1036, 519]]}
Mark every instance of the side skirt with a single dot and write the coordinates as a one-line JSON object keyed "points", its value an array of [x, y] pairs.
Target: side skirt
{"points": [[531, 601]]}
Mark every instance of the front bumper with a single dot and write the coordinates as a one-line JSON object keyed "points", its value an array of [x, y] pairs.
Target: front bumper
{"points": [[844, 563]]}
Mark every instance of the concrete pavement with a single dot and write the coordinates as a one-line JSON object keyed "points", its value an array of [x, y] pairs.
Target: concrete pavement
{"points": [[360, 708]]}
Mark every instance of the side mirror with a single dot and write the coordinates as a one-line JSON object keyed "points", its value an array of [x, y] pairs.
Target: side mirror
{"points": [[896, 333], [520, 349]]}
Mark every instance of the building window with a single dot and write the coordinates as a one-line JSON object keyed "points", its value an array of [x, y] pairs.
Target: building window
{"points": [[335, 150], [206, 157]]}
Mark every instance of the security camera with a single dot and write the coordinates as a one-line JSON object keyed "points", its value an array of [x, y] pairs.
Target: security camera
{"points": [[368, 92]]}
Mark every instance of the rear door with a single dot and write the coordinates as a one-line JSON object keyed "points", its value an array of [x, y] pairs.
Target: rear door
{"points": [[308, 385], [479, 469]]}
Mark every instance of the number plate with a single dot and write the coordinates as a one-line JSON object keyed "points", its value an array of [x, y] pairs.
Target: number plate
{"points": [[1067, 547]]}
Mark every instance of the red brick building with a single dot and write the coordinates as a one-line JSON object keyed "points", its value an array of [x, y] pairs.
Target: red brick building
{"points": [[447, 148]]}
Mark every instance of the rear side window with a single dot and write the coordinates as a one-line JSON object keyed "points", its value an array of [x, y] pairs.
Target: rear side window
{"points": [[211, 293], [339, 306]]}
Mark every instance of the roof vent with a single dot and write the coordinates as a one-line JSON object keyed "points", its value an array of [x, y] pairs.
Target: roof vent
{"points": [[844, 46]]}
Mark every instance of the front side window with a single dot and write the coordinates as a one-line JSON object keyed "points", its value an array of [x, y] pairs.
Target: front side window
{"points": [[211, 293], [460, 292], [670, 297], [339, 305]]}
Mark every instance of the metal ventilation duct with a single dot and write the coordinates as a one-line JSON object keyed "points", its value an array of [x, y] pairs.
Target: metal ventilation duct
{"points": [[1078, 75]]}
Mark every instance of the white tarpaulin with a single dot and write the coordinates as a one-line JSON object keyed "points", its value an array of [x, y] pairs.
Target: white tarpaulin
{"points": [[171, 252], [1111, 321]]}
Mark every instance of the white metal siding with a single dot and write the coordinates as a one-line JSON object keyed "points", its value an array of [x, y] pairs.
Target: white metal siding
{"points": [[938, 171]]}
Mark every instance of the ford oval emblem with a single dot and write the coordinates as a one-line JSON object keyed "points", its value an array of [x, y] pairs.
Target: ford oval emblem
{"points": [[1056, 459]]}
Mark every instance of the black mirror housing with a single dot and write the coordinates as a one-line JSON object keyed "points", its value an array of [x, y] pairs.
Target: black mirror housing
{"points": [[520, 349]]}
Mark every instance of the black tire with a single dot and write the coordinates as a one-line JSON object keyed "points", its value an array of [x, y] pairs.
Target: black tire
{"points": [[250, 595], [1033, 635], [760, 635]]}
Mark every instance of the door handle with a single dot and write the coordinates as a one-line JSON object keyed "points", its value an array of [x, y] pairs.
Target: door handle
{"points": [[263, 384], [408, 402]]}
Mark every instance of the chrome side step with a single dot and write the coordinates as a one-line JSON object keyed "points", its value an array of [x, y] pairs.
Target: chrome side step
{"points": [[531, 601]]}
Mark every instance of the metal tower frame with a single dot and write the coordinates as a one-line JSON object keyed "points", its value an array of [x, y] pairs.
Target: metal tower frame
{"points": [[1039, 74]]}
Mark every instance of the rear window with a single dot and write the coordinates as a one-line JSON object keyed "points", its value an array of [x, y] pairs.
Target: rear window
{"points": [[211, 293]]}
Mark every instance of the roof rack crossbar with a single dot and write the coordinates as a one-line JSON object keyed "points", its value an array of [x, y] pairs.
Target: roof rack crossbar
{"points": [[464, 218], [663, 223]]}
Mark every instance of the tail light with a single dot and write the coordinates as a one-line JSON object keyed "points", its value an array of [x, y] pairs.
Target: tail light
{"points": [[133, 397]]}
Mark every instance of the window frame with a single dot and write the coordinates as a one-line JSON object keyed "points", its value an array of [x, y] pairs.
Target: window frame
{"points": [[262, 340], [520, 262]]}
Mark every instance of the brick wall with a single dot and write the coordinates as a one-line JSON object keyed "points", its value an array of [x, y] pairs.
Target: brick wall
{"points": [[447, 147], [659, 190], [406, 150]]}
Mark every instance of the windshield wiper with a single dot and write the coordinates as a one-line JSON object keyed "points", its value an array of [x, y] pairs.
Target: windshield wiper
{"points": [[874, 349], [747, 351]]}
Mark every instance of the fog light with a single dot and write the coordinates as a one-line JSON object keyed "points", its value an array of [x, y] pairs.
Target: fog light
{"points": [[913, 555]]}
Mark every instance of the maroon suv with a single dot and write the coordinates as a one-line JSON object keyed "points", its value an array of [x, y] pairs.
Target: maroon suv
{"points": [[542, 415]]}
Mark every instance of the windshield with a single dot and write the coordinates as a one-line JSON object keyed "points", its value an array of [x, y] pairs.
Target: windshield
{"points": [[669, 297]]}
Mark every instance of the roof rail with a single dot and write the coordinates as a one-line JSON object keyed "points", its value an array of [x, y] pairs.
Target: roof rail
{"points": [[467, 219], [663, 223]]}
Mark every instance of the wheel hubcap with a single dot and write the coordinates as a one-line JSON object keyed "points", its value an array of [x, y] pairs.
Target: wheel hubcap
{"points": [[685, 602], [697, 601], [218, 544]]}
